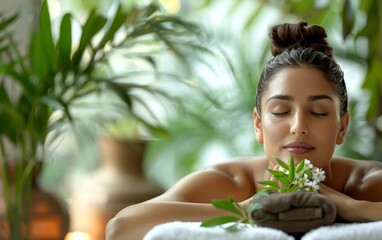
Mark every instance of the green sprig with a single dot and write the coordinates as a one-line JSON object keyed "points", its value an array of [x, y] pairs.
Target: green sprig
{"points": [[228, 222], [288, 178], [285, 181]]}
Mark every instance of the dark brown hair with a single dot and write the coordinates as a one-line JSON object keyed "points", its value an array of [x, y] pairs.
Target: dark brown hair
{"points": [[300, 45]]}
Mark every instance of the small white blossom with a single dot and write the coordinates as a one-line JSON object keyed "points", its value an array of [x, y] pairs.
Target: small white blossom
{"points": [[318, 175], [307, 179], [307, 165]]}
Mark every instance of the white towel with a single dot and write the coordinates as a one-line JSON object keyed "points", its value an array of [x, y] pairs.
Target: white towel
{"points": [[193, 231], [350, 231]]}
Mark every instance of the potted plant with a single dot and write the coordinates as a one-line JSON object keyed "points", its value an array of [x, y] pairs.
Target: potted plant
{"points": [[118, 181], [40, 89]]}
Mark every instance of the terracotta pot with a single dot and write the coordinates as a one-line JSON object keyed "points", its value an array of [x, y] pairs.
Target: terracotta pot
{"points": [[48, 216], [117, 183]]}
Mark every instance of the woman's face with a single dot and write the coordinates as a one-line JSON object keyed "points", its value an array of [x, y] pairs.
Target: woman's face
{"points": [[300, 117]]}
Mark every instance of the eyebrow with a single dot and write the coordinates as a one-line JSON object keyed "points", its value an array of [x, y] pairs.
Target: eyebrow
{"points": [[310, 98]]}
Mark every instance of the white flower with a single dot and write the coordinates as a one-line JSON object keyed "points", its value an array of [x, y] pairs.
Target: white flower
{"points": [[306, 179], [318, 175], [307, 165], [311, 186]]}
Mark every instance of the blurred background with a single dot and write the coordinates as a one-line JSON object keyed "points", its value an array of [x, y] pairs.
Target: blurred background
{"points": [[235, 35]]}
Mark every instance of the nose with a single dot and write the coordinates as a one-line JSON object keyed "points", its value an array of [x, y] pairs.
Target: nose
{"points": [[299, 125]]}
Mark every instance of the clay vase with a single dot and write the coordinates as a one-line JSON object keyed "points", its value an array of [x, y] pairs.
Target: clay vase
{"points": [[48, 216], [116, 184]]}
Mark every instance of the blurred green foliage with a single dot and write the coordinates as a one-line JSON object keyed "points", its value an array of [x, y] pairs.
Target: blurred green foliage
{"points": [[42, 90], [236, 29]]}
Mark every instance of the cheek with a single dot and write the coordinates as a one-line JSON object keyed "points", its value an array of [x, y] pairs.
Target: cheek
{"points": [[328, 132], [273, 130]]}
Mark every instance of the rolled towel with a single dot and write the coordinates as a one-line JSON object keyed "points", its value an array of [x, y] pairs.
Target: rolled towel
{"points": [[294, 212], [193, 231]]}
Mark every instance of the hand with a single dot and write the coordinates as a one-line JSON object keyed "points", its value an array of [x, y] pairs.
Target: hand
{"points": [[343, 202]]}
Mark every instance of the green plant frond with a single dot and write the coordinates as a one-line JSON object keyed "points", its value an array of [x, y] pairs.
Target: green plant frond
{"points": [[291, 169], [145, 106], [276, 173], [228, 205], [348, 18], [282, 163], [118, 20], [39, 66], [5, 178], [92, 26], [270, 184], [300, 166], [149, 10], [219, 221], [155, 130], [294, 188], [176, 21], [64, 44], [122, 93], [253, 17], [5, 22], [46, 38], [56, 129]]}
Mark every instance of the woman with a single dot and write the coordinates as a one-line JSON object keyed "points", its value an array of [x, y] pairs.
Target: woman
{"points": [[301, 110]]}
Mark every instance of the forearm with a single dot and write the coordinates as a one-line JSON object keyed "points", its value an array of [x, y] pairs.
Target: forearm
{"points": [[135, 221], [365, 211], [351, 209]]}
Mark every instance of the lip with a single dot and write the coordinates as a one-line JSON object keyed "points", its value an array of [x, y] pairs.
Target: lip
{"points": [[298, 147]]}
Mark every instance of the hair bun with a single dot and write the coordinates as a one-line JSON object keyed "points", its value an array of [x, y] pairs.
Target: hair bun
{"points": [[288, 36]]}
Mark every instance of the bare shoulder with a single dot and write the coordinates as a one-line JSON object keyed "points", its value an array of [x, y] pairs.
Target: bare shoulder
{"points": [[242, 166], [363, 177], [232, 178]]}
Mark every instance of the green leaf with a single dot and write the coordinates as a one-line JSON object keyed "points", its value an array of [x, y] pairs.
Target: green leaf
{"points": [[282, 164], [269, 183], [120, 92], [308, 173], [8, 21], [294, 188], [268, 188], [227, 205], [46, 39], [92, 26], [291, 169], [348, 19], [64, 44], [277, 173], [283, 179], [118, 20], [11, 119], [39, 65], [219, 221], [253, 17], [300, 166], [301, 7]]}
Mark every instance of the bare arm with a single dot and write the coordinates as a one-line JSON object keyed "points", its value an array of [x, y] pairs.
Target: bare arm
{"points": [[187, 200], [365, 202], [135, 221]]}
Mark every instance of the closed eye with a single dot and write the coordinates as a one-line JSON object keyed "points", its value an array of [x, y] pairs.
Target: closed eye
{"points": [[320, 114], [280, 113]]}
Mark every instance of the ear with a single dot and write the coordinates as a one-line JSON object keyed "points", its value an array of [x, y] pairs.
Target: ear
{"points": [[258, 128], [343, 128]]}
